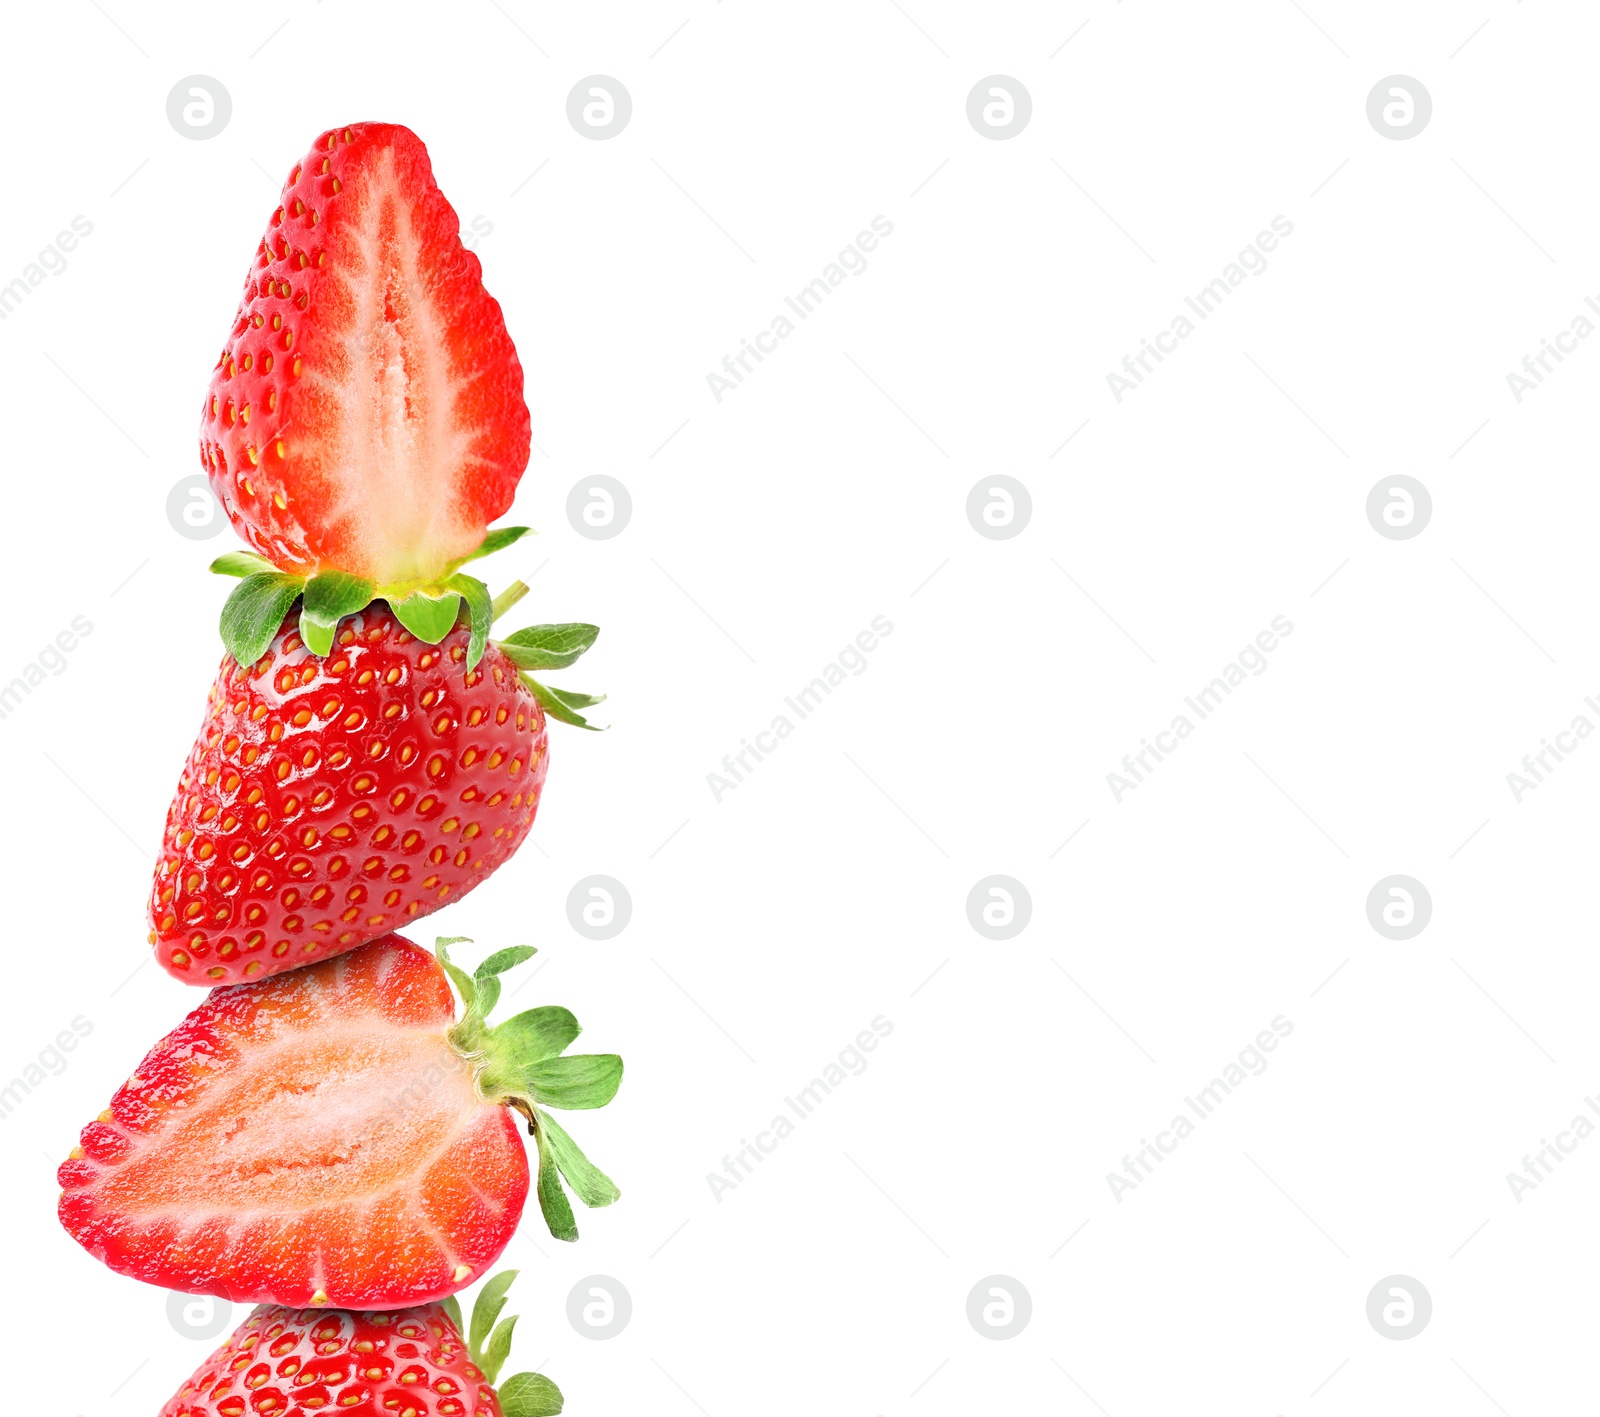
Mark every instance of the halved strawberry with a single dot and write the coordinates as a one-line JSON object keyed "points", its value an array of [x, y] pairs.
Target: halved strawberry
{"points": [[366, 413], [330, 800], [285, 1362], [332, 1136]]}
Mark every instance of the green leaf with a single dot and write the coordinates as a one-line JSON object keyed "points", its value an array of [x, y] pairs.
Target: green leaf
{"points": [[429, 617], [487, 977], [562, 706], [539, 1033], [548, 646], [452, 1306], [497, 540], [499, 1349], [488, 994], [573, 699], [254, 612], [481, 991], [529, 1395], [241, 563], [481, 608], [591, 1185], [329, 597], [491, 1299], [574, 1083], [553, 1202], [502, 960], [458, 976]]}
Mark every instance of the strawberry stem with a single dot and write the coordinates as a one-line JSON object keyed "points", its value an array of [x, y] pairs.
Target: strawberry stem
{"points": [[508, 597]]}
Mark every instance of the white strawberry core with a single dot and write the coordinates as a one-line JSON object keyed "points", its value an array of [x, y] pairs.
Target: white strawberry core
{"points": [[396, 458], [307, 1123]]}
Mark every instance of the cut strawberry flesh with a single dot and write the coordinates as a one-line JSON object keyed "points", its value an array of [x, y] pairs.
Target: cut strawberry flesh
{"points": [[312, 1139], [308, 1122], [366, 414]]}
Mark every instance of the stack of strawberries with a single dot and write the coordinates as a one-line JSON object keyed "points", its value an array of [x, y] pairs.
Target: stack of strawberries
{"points": [[323, 1136]]}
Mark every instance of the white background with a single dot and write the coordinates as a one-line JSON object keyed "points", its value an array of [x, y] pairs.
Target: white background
{"points": [[767, 530]]}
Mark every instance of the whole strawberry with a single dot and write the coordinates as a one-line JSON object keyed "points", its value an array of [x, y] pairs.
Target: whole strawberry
{"points": [[413, 1362], [330, 799], [335, 1137]]}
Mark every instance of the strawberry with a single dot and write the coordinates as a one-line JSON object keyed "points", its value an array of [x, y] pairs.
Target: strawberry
{"points": [[333, 1136], [364, 425], [285, 1362], [366, 413], [330, 800]]}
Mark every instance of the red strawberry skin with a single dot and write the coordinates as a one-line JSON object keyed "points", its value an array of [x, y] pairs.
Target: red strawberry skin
{"points": [[328, 801], [283, 1362], [366, 413], [312, 1140]]}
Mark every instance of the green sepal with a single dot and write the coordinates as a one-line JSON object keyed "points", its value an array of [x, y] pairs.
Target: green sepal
{"points": [[498, 1349], [576, 700], [497, 540], [488, 995], [519, 1064], [562, 705], [485, 1310], [452, 1306], [502, 960], [480, 605], [254, 611], [328, 598], [529, 1395], [429, 617], [553, 1202], [548, 646], [540, 1033], [575, 1082], [240, 563], [458, 976], [489, 1341], [591, 1185], [487, 976]]}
